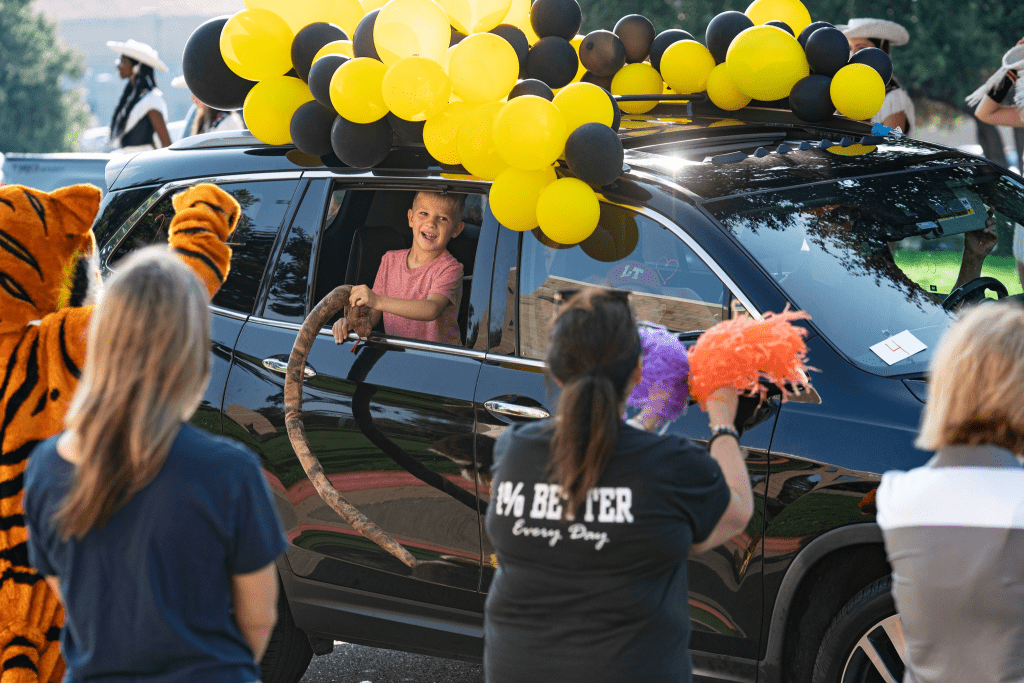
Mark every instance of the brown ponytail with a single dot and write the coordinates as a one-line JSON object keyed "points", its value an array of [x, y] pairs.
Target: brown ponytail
{"points": [[594, 350]]}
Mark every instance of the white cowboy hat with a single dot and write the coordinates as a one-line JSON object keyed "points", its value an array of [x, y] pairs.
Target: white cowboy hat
{"points": [[140, 52], [879, 29], [179, 82]]}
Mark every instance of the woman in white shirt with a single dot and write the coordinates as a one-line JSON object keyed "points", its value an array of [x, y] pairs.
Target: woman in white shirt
{"points": [[140, 119], [898, 109]]}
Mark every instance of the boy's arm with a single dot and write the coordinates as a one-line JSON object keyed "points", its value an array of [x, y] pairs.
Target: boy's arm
{"points": [[413, 309]]}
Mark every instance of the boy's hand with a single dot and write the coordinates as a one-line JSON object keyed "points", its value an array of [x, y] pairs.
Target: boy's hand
{"points": [[362, 295], [340, 330]]}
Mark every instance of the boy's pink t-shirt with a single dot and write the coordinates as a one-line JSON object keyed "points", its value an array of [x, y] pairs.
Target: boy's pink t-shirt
{"points": [[442, 276]]}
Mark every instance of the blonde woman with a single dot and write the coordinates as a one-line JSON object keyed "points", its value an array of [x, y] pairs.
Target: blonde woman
{"points": [[954, 528], [160, 538]]}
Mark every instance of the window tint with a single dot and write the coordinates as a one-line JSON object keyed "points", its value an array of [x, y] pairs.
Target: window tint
{"points": [[264, 205], [286, 299], [115, 210], [671, 285]]}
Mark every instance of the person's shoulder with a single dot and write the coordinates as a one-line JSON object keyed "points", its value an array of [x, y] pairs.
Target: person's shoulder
{"points": [[198, 444], [446, 260], [44, 459], [670, 453], [524, 438]]}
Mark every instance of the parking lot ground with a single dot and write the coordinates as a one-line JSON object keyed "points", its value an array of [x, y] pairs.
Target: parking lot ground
{"points": [[357, 664]]}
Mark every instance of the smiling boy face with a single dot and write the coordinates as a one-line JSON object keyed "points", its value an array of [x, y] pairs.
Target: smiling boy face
{"points": [[435, 219]]}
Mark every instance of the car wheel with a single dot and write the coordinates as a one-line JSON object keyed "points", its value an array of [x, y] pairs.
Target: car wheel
{"points": [[289, 651], [864, 643]]}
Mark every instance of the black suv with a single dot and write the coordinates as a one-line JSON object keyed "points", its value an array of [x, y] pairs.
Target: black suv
{"points": [[716, 215]]}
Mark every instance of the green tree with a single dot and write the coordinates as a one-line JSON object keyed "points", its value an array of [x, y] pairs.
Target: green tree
{"points": [[39, 111]]}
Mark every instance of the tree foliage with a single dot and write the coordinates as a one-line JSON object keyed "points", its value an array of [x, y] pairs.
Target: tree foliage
{"points": [[954, 44], [39, 112]]}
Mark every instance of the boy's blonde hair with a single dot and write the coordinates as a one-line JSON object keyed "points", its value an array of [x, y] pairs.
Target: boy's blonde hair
{"points": [[147, 362], [976, 384], [456, 203]]}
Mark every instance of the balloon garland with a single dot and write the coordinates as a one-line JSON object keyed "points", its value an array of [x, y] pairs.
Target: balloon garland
{"points": [[499, 86]]}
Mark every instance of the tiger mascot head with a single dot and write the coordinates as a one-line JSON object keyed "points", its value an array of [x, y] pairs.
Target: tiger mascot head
{"points": [[48, 256]]}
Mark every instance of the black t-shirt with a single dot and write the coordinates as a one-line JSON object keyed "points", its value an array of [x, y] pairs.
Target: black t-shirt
{"points": [[149, 594], [603, 597]]}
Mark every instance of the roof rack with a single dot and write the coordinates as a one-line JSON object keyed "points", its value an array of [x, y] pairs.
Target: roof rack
{"points": [[228, 138]]}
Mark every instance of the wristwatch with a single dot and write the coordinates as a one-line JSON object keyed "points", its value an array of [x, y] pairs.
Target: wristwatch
{"points": [[722, 430]]}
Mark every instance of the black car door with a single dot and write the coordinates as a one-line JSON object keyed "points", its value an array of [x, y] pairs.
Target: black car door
{"points": [[391, 420], [674, 285]]}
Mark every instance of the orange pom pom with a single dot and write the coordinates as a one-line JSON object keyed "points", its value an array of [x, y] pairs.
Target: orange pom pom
{"points": [[741, 351]]}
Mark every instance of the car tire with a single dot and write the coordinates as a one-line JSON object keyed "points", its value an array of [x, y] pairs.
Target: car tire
{"points": [[864, 643], [288, 652]]}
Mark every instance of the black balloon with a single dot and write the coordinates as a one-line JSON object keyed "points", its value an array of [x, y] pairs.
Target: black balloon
{"points": [[406, 132], [320, 76], [781, 24], [517, 39], [637, 33], [811, 28], [617, 121], [663, 40], [456, 38], [722, 29], [362, 145], [876, 59], [362, 40], [594, 154], [810, 99], [602, 53], [559, 18], [311, 128], [603, 81], [554, 61], [206, 74], [531, 86], [308, 42], [827, 51]]}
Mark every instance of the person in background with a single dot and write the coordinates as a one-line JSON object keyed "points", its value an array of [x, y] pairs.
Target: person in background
{"points": [[140, 118], [203, 119], [592, 519], [954, 527], [898, 109], [159, 538]]}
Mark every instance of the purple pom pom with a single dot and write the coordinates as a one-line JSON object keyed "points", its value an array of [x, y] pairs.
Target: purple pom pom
{"points": [[663, 390]]}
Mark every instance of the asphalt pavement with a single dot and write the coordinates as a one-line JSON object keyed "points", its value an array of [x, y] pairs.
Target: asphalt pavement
{"points": [[357, 664]]}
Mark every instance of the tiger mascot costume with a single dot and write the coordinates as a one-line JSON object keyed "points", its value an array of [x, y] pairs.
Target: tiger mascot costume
{"points": [[49, 281]]}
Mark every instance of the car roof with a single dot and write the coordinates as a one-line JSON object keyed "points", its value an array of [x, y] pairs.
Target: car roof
{"points": [[701, 152]]}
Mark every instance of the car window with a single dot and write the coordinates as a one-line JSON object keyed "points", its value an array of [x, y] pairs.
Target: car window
{"points": [[286, 298], [264, 205], [116, 209], [672, 286]]}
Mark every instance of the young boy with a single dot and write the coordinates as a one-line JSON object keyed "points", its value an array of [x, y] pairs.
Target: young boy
{"points": [[418, 290]]}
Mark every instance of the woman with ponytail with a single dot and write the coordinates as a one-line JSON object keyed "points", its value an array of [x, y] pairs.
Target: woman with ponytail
{"points": [[140, 118], [159, 538], [592, 518]]}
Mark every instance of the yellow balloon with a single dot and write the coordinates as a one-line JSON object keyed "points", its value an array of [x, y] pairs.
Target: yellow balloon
{"points": [[257, 44], [514, 194], [296, 14], [475, 142], [568, 211], [411, 28], [792, 12], [336, 47], [685, 66], [584, 103], [857, 91], [637, 79], [580, 70], [269, 106], [723, 92], [483, 68], [441, 132], [474, 16], [356, 90], [346, 14], [765, 62], [415, 88], [530, 133], [370, 5], [519, 16]]}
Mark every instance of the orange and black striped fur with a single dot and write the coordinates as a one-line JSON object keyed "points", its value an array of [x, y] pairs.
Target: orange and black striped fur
{"points": [[49, 280]]}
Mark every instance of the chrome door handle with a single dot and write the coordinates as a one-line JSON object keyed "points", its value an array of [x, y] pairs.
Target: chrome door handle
{"points": [[280, 366], [516, 410]]}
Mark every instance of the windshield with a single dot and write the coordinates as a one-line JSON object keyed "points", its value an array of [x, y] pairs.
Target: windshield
{"points": [[872, 258]]}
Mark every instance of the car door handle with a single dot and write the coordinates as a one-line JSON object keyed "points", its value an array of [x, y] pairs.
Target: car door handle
{"points": [[279, 364], [515, 410]]}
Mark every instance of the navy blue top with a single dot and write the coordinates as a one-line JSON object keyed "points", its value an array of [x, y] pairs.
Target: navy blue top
{"points": [[148, 595]]}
